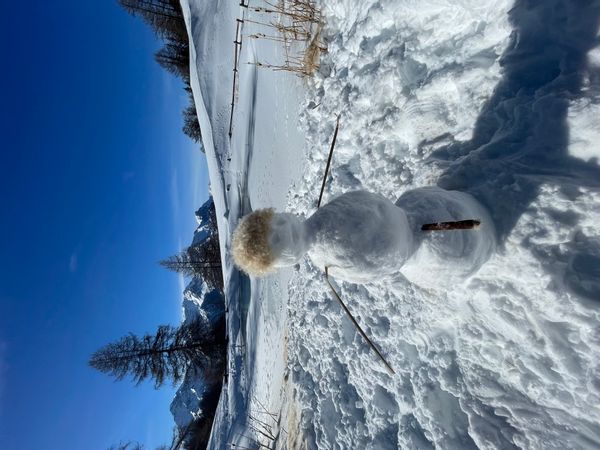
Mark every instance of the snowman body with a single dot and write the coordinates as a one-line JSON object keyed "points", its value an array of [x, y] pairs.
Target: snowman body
{"points": [[361, 237], [443, 259]]}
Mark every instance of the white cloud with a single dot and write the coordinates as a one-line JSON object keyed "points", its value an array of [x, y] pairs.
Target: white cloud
{"points": [[73, 262]]}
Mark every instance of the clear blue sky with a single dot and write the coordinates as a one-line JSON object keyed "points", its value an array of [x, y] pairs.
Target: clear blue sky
{"points": [[97, 184]]}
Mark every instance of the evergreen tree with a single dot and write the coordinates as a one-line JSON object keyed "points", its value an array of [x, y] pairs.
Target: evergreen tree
{"points": [[165, 355], [132, 445], [147, 9], [175, 58], [191, 126], [201, 260], [164, 16]]}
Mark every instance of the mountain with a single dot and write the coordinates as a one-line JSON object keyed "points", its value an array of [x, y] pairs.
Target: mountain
{"points": [[195, 396]]}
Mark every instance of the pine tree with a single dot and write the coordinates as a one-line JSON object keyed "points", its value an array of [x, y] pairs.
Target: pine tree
{"points": [[165, 355], [129, 445], [191, 126], [134, 445], [164, 16], [201, 260], [147, 9], [175, 58]]}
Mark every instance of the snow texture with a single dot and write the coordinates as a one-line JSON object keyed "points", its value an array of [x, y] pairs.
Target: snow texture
{"points": [[498, 100]]}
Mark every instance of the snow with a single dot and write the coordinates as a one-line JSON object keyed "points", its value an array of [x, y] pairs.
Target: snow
{"points": [[288, 239], [250, 171], [494, 99], [360, 236], [363, 237], [444, 260]]}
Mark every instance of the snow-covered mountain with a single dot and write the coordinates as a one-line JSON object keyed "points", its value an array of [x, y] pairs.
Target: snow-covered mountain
{"points": [[495, 98], [199, 301]]}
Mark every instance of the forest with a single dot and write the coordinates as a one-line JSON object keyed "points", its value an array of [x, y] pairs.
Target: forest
{"points": [[165, 17]]}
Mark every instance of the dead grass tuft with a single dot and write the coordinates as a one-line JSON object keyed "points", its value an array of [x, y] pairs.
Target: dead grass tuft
{"points": [[298, 24]]}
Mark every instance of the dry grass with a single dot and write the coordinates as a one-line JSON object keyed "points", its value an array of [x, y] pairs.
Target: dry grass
{"points": [[298, 25], [312, 55]]}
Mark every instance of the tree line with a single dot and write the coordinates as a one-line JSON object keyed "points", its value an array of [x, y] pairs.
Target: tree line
{"points": [[165, 17], [197, 347]]}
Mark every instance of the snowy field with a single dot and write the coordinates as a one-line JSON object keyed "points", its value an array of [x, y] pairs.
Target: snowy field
{"points": [[498, 99]]}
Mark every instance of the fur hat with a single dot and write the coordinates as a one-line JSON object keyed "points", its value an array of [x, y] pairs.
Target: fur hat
{"points": [[251, 250]]}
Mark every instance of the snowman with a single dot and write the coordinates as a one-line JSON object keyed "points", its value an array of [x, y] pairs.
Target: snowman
{"points": [[362, 237]]}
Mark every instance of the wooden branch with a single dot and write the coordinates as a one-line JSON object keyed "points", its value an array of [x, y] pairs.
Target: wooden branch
{"points": [[237, 51], [470, 224], [335, 133], [358, 327]]}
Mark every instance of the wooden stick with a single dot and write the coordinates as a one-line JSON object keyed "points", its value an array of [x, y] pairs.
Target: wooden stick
{"points": [[337, 126], [235, 72], [360, 330], [470, 224]]}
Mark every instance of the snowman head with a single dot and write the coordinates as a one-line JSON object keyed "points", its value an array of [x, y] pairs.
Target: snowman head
{"points": [[265, 240]]}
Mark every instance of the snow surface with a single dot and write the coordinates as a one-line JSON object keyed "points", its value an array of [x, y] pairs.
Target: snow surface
{"points": [[253, 169], [495, 98]]}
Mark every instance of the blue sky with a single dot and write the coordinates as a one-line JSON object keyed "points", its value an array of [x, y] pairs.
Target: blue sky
{"points": [[98, 183]]}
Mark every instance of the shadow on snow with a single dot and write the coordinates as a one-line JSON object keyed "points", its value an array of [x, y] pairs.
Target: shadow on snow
{"points": [[521, 137]]}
